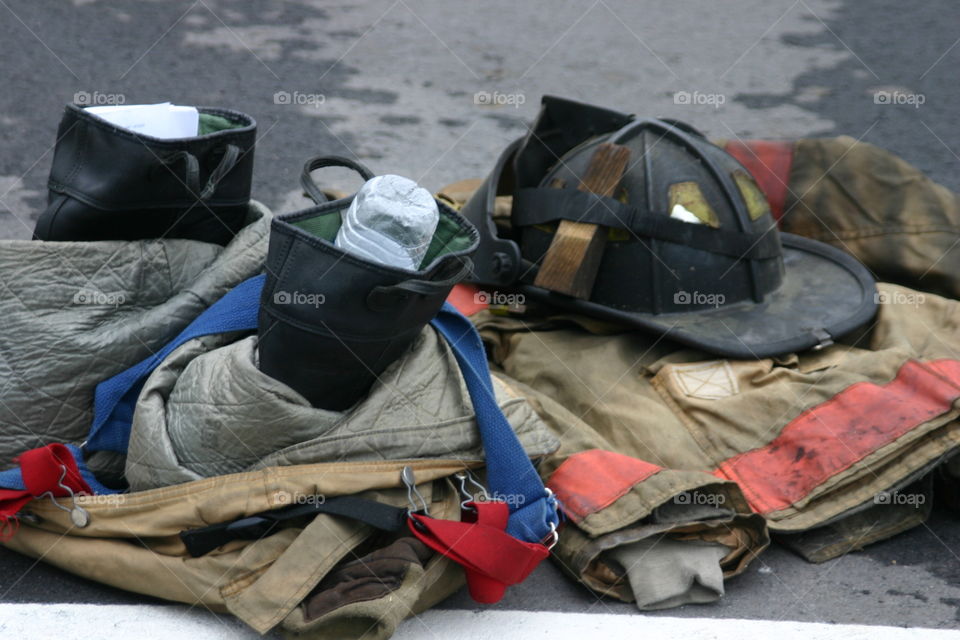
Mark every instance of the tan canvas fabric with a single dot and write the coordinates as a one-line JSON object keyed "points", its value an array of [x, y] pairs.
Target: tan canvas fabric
{"points": [[867, 201], [649, 508], [686, 410], [692, 414], [689, 412], [131, 543]]}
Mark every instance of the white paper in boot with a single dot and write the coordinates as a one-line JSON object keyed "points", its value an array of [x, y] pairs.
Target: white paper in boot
{"points": [[163, 120]]}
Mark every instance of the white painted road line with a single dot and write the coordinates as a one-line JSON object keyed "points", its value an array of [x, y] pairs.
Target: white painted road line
{"points": [[116, 622], [511, 625], [148, 622]]}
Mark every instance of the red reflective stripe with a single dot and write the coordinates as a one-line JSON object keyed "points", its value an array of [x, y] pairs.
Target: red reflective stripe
{"points": [[592, 480], [465, 298], [769, 163], [831, 437]]}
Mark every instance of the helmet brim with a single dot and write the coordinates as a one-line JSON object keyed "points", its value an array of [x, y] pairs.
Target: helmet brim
{"points": [[825, 294]]}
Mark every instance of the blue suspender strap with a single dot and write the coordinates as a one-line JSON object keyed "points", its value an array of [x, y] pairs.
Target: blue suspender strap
{"points": [[533, 511], [115, 398]]}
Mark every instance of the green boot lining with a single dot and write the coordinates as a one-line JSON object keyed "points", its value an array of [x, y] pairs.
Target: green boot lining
{"points": [[448, 238], [210, 123]]}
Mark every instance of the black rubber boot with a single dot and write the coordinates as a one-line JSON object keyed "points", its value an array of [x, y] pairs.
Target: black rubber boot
{"points": [[110, 183], [330, 322]]}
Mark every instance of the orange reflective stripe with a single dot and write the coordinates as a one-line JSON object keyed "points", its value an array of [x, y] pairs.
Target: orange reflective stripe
{"points": [[466, 298], [833, 436], [592, 480], [769, 163]]}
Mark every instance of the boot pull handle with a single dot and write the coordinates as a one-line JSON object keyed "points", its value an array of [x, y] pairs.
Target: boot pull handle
{"points": [[383, 298], [319, 162], [191, 180]]}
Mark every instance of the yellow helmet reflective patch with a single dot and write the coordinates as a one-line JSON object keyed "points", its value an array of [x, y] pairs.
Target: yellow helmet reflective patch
{"points": [[757, 205], [689, 197]]}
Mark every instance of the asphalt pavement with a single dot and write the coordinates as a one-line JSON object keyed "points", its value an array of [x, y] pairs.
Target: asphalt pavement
{"points": [[434, 90]]}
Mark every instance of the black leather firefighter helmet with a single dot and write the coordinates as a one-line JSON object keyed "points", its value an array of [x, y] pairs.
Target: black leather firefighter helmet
{"points": [[692, 250]]}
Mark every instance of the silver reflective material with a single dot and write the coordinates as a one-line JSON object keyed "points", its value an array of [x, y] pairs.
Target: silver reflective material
{"points": [[390, 221]]}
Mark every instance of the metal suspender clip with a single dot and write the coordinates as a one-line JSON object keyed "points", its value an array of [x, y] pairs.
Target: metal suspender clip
{"points": [[78, 515], [406, 475], [482, 496]]}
